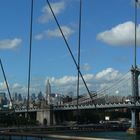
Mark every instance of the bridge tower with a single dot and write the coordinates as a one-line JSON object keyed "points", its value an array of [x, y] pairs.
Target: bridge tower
{"points": [[134, 129], [46, 114], [135, 72]]}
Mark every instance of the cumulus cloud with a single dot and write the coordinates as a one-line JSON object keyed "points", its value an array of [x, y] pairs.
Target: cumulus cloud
{"points": [[120, 35], [108, 74], [66, 80], [3, 86], [55, 33], [86, 67], [95, 82], [17, 86], [41, 36], [10, 43], [57, 7]]}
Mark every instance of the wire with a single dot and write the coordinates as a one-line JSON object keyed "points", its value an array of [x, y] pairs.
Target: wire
{"points": [[68, 47], [30, 57], [114, 84], [79, 47], [6, 82], [103, 92]]}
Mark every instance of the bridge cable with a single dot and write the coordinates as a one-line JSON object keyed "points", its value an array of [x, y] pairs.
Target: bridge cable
{"points": [[30, 57], [116, 83], [113, 85], [68, 47], [79, 48], [99, 93], [7, 86]]}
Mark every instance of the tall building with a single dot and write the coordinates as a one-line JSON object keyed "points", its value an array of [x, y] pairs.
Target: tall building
{"points": [[33, 97], [40, 96], [48, 92], [3, 99], [15, 96], [19, 97]]}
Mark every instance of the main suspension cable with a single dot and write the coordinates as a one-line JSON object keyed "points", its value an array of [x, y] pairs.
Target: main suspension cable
{"points": [[116, 83], [102, 92]]}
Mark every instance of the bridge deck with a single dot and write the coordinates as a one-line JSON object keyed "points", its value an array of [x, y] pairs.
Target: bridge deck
{"points": [[86, 106]]}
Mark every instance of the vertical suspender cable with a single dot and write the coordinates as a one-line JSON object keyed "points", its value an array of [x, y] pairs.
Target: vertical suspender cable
{"points": [[30, 58], [79, 48], [68, 47]]}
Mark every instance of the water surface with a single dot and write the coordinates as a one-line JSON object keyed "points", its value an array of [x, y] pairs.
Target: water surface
{"points": [[107, 135]]}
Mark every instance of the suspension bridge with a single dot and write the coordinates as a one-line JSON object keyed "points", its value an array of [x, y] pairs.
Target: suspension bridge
{"points": [[117, 96], [123, 94]]}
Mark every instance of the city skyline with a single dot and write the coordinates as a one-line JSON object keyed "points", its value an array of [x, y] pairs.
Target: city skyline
{"points": [[107, 42]]}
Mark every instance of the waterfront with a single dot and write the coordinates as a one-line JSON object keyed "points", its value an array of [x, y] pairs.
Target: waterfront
{"points": [[73, 135], [108, 135]]}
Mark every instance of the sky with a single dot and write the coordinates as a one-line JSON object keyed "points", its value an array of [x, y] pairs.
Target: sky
{"points": [[107, 43]]}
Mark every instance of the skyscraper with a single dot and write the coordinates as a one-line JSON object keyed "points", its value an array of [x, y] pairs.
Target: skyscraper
{"points": [[48, 92], [3, 99]]}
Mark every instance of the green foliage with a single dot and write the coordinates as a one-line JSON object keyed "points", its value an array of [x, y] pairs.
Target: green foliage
{"points": [[13, 119]]}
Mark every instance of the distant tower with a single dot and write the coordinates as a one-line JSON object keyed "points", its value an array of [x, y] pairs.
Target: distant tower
{"points": [[48, 92]]}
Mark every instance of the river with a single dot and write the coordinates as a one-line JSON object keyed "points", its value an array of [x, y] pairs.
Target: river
{"points": [[106, 135]]}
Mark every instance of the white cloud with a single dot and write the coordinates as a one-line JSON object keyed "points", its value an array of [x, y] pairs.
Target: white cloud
{"points": [[3, 86], [66, 84], [88, 77], [86, 67], [120, 35], [13, 88], [41, 36], [100, 80], [55, 33], [17, 86], [108, 74], [10, 43], [66, 80], [57, 7]]}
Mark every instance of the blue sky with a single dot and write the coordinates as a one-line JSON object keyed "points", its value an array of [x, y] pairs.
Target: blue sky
{"points": [[107, 43]]}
